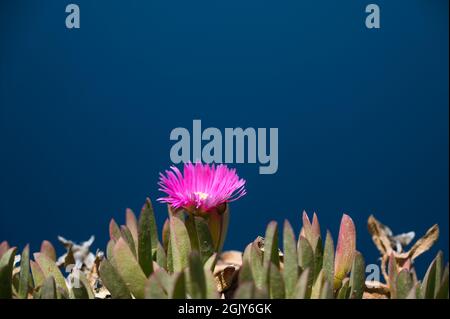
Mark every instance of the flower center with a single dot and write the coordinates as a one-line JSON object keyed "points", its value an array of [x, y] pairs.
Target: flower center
{"points": [[201, 195]]}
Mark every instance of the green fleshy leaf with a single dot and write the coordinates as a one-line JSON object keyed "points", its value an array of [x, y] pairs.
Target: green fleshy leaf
{"points": [[415, 292], [345, 250], [318, 286], [305, 254], [443, 292], [114, 231], [166, 235], [328, 258], [306, 228], [211, 262], [218, 226], [178, 289], [148, 208], [357, 277], [245, 291], [306, 259], [245, 272], [25, 274], [189, 222], [38, 275], [429, 281], [180, 244], [344, 291], [6, 269], [169, 257], [290, 259], [439, 271], [271, 254], [4, 247], [48, 290], [161, 258], [48, 250], [129, 269], [128, 237], [392, 273], [205, 242], [256, 264], [315, 227], [113, 281], [303, 287], [154, 287], [211, 287], [318, 257], [49, 269], [197, 277], [110, 249], [132, 224], [404, 284], [145, 239], [276, 283], [327, 290]]}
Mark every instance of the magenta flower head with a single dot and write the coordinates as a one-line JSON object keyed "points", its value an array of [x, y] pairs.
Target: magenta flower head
{"points": [[201, 187]]}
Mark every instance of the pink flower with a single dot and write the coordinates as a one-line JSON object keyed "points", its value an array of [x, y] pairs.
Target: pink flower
{"points": [[201, 187]]}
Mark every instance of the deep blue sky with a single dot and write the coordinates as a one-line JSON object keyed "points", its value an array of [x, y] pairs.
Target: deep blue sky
{"points": [[85, 115]]}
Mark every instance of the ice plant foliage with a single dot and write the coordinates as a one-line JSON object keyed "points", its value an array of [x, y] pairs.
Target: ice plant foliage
{"points": [[201, 187], [187, 262]]}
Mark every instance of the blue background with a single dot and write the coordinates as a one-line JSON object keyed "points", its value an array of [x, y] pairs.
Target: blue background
{"points": [[85, 115]]}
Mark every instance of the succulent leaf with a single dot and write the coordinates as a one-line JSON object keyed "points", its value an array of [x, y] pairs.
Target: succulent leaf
{"points": [[439, 271], [6, 269], [404, 284], [49, 269], [113, 281], [128, 237], [38, 275], [48, 290], [4, 247], [197, 276], [327, 290], [161, 257], [25, 274], [153, 289], [344, 291], [303, 287], [429, 282], [145, 239], [180, 244], [245, 291], [328, 258], [48, 250], [345, 250], [132, 224], [443, 291], [357, 277], [178, 289], [305, 254], [129, 269], [290, 258], [256, 259], [166, 235], [114, 231], [317, 287], [276, 283], [218, 226], [392, 273]]}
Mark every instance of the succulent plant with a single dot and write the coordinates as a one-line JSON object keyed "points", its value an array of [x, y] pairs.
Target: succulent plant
{"points": [[187, 261], [306, 268], [138, 265]]}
